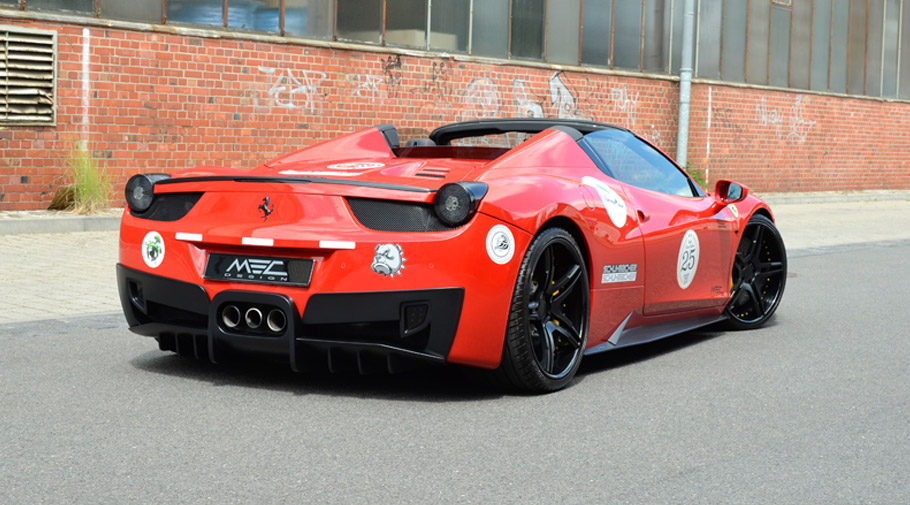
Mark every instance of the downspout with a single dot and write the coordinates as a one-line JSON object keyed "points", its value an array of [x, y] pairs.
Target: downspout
{"points": [[685, 82]]}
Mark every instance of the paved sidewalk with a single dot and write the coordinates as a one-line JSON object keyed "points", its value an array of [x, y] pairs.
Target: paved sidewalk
{"points": [[59, 275]]}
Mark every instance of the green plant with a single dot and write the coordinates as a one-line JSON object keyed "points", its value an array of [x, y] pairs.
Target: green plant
{"points": [[696, 174], [91, 184]]}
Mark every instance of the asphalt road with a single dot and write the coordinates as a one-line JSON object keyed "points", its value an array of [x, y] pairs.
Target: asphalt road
{"points": [[812, 409]]}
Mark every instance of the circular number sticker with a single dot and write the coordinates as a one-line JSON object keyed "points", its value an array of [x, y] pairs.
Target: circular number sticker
{"points": [[687, 262]]}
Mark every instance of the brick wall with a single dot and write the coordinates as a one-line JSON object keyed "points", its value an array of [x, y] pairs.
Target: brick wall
{"points": [[160, 101]]}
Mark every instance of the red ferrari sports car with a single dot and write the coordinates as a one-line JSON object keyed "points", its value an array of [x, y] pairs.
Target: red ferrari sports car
{"points": [[361, 254]]}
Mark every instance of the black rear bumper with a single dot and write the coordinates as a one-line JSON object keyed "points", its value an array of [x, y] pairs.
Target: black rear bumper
{"points": [[361, 332]]}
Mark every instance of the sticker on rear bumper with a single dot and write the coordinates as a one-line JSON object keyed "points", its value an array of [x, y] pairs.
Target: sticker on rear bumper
{"points": [[258, 269], [388, 259], [153, 249]]}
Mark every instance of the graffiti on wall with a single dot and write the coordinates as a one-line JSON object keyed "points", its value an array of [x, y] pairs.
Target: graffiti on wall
{"points": [[794, 128], [481, 100], [300, 91], [625, 103], [365, 86]]}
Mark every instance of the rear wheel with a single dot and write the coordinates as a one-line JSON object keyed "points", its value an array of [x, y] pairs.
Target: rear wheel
{"points": [[548, 321], [759, 275]]}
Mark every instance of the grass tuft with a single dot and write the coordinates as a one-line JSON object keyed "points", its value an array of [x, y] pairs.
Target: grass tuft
{"points": [[91, 184]]}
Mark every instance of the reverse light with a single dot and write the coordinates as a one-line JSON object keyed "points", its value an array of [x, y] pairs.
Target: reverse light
{"points": [[456, 202], [140, 192]]}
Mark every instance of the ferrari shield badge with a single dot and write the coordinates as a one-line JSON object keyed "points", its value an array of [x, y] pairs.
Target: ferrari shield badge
{"points": [[388, 259]]}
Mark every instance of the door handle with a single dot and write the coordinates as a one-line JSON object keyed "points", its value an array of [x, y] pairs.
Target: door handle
{"points": [[642, 216]]}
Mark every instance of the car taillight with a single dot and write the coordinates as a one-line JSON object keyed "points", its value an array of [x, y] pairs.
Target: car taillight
{"points": [[456, 202], [140, 192]]}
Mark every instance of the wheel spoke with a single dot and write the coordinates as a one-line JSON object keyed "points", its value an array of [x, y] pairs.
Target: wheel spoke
{"points": [[754, 304], [567, 331], [755, 246], [771, 268], [549, 265], [547, 349], [565, 284]]}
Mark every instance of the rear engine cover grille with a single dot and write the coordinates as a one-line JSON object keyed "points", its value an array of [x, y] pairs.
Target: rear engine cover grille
{"points": [[387, 215]]}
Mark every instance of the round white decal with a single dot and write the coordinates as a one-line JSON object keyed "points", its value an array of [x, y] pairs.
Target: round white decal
{"points": [[687, 263], [500, 244], [355, 166], [153, 249], [613, 203]]}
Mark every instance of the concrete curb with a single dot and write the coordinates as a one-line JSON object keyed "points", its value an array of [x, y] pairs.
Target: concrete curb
{"points": [[834, 197], [61, 224]]}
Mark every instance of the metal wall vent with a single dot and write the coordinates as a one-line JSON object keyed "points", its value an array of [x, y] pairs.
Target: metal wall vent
{"points": [[27, 76]]}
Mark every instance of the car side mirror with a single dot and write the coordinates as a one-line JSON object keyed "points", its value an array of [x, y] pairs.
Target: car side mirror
{"points": [[727, 192]]}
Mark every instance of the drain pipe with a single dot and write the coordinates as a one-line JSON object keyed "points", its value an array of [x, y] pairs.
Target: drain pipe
{"points": [[685, 83]]}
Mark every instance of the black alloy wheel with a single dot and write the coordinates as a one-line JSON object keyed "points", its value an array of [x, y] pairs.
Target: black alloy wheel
{"points": [[548, 321], [759, 275]]}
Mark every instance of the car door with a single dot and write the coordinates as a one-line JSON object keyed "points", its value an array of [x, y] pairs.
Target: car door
{"points": [[687, 238]]}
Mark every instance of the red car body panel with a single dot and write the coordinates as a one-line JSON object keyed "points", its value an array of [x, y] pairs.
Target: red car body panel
{"points": [[532, 186]]}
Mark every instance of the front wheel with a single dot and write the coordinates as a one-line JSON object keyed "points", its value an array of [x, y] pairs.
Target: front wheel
{"points": [[548, 320], [759, 275]]}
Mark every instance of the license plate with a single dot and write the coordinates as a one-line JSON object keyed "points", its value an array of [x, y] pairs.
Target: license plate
{"points": [[259, 269]]}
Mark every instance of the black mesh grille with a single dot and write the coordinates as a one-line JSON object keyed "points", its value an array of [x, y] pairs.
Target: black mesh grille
{"points": [[386, 215], [169, 206]]}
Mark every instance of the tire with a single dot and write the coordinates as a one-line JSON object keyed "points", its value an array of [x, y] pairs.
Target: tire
{"points": [[548, 321], [758, 277]]}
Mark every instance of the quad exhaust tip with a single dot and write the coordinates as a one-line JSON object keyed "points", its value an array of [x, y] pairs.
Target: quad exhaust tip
{"points": [[253, 317], [276, 320], [230, 316]]}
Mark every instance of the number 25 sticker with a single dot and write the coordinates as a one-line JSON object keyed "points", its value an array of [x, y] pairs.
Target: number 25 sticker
{"points": [[687, 263]]}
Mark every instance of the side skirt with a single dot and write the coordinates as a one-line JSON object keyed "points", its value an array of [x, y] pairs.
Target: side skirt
{"points": [[651, 332]]}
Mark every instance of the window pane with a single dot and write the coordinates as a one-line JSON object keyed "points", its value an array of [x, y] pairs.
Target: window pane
{"points": [[800, 56], [406, 23], [80, 6], [562, 31], [709, 32], [821, 40], [633, 162], [449, 25], [490, 29], [200, 12], [734, 53], [627, 35], [148, 11], [839, 25], [527, 29], [678, 18], [874, 61], [595, 44], [359, 20], [657, 36], [856, 72], [904, 90], [759, 25], [312, 18], [779, 66], [892, 21], [242, 14]]}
